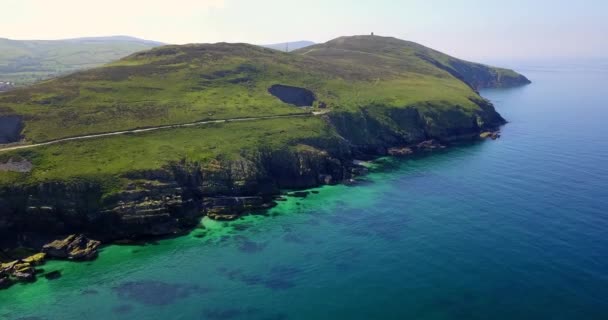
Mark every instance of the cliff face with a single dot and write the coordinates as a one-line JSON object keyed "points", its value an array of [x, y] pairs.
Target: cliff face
{"points": [[172, 199], [477, 76], [164, 201]]}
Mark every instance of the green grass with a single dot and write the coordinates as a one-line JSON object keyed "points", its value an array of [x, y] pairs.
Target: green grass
{"points": [[107, 160]]}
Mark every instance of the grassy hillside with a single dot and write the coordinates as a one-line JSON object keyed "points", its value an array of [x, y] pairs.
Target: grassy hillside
{"points": [[376, 88], [405, 56], [27, 61], [179, 84]]}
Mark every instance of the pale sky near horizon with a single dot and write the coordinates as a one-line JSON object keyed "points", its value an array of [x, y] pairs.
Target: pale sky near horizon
{"points": [[473, 29]]}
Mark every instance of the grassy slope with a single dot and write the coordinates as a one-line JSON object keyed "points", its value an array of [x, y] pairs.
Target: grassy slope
{"points": [[176, 84], [408, 54], [105, 160], [27, 61]]}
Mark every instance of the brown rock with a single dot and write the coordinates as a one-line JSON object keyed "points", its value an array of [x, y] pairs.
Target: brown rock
{"points": [[400, 152], [36, 260], [429, 145], [25, 274], [74, 247], [19, 270], [222, 216], [489, 134]]}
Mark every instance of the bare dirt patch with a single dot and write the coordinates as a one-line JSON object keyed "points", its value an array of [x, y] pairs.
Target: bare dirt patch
{"points": [[16, 166]]}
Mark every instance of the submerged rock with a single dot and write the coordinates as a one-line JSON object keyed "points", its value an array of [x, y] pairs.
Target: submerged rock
{"points": [[5, 281], [53, 275], [231, 208], [74, 247], [299, 194]]}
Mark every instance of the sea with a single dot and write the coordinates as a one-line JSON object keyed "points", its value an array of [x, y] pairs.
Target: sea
{"points": [[515, 228]]}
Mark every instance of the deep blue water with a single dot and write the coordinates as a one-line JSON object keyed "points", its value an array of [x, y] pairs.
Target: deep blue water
{"points": [[508, 229]]}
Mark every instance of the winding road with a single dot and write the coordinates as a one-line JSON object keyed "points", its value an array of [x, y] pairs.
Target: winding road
{"points": [[173, 126]]}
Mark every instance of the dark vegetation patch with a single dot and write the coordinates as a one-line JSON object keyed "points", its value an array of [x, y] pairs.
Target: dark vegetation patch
{"points": [[277, 278], [230, 313], [123, 309], [299, 97], [10, 128], [240, 313], [245, 245], [89, 292], [53, 275], [293, 237], [299, 194], [156, 292]]}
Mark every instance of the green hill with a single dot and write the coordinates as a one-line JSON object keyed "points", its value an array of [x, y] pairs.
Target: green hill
{"points": [[395, 55], [369, 94], [24, 62]]}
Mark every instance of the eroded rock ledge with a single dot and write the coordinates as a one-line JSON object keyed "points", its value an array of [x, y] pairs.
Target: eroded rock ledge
{"points": [[74, 247]]}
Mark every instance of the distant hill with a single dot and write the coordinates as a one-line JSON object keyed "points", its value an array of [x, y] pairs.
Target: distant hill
{"points": [[292, 45], [24, 62]]}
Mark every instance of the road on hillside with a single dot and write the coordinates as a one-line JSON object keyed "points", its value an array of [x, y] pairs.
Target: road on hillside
{"points": [[131, 131]]}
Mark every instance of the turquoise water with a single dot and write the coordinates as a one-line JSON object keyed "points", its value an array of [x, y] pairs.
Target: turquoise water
{"points": [[514, 228]]}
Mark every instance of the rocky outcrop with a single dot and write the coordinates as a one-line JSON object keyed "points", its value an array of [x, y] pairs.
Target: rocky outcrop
{"points": [[22, 270], [400, 151], [74, 247], [490, 135], [478, 76], [230, 208]]}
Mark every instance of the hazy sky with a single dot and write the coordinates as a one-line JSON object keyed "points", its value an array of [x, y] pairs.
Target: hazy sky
{"points": [[474, 29]]}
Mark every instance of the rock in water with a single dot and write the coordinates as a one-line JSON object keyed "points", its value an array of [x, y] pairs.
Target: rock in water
{"points": [[17, 270], [53, 275], [36, 260], [400, 152], [5, 282], [24, 273], [74, 247], [490, 134]]}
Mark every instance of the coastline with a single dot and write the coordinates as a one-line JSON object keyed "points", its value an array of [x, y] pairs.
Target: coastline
{"points": [[25, 261]]}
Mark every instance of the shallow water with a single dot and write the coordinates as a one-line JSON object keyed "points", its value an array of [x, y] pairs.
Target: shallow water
{"points": [[513, 228]]}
